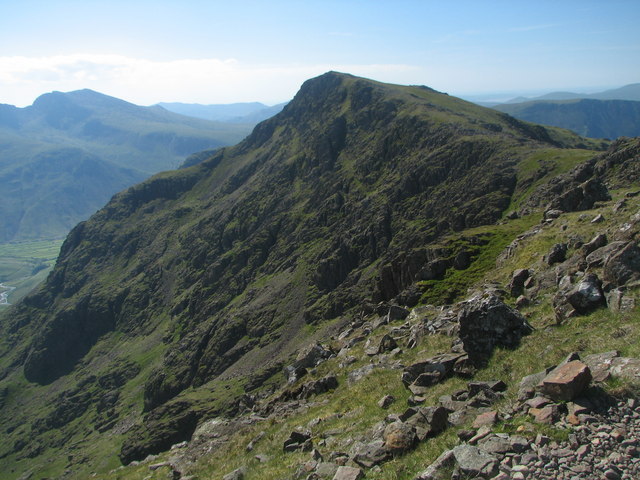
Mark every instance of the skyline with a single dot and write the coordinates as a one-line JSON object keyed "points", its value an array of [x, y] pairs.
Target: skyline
{"points": [[212, 52]]}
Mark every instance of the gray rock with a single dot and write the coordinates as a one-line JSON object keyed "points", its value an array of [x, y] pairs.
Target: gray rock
{"points": [[437, 468], [516, 284], [486, 322], [386, 401], [587, 295], [298, 441], [596, 258], [599, 241], [369, 454], [428, 421], [237, 474], [474, 462], [557, 254], [348, 473], [623, 266]]}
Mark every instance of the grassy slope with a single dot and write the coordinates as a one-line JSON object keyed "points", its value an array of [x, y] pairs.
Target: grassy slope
{"points": [[351, 410]]}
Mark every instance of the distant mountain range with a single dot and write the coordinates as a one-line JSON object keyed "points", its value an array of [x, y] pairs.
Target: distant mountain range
{"points": [[64, 156], [609, 114], [628, 92], [590, 118], [250, 112]]}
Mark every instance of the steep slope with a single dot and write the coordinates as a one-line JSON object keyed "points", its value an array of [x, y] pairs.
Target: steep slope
{"points": [[197, 285], [63, 157], [590, 118]]}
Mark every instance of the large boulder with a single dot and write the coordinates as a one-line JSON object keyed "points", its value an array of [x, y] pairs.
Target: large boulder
{"points": [[475, 463], [623, 266], [587, 295], [399, 437], [567, 381], [486, 322]]}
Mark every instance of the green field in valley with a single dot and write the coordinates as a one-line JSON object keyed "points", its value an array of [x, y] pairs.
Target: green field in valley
{"points": [[25, 264]]}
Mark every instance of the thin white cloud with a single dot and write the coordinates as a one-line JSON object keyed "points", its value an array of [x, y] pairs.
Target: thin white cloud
{"points": [[145, 81]]}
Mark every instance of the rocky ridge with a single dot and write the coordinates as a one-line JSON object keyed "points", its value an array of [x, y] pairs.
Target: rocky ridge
{"points": [[395, 200]]}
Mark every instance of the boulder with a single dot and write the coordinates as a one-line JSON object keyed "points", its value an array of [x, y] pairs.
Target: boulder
{"points": [[312, 356], [587, 295], [298, 441], [622, 266], [399, 437], [597, 258], [516, 284], [348, 473], [486, 322], [486, 418], [566, 381], [386, 401], [370, 454], [237, 474], [428, 421], [436, 470], [475, 463], [599, 241], [443, 365], [557, 254], [386, 344]]}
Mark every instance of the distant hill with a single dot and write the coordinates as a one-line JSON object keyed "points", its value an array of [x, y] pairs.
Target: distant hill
{"points": [[628, 92], [587, 117], [251, 112], [64, 156]]}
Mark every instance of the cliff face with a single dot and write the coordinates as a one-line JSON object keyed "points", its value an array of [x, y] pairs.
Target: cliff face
{"points": [[217, 272]]}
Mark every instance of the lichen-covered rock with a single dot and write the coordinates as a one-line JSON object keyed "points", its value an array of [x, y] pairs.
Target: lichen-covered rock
{"points": [[399, 437]]}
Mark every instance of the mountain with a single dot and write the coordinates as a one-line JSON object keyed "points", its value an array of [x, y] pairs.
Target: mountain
{"points": [[590, 118], [628, 92], [172, 312], [64, 156], [250, 112]]}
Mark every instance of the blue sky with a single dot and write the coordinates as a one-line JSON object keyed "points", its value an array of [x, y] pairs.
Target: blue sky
{"points": [[223, 51]]}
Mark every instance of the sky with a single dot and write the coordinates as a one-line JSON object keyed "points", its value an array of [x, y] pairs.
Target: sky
{"points": [[230, 51]]}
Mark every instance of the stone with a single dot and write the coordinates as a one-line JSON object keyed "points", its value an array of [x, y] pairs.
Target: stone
{"points": [[495, 444], [435, 470], [587, 295], [237, 474], [548, 414], [474, 462], [487, 322], [486, 418], [597, 258], [399, 437], [427, 421], [442, 364], [557, 254], [552, 214], [369, 454], [386, 401], [567, 381], [516, 284], [623, 266], [348, 473], [313, 355], [326, 470], [359, 373], [599, 241], [528, 384], [298, 441], [599, 218], [600, 364]]}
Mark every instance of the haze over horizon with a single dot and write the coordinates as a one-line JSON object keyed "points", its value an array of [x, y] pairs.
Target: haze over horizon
{"points": [[213, 52]]}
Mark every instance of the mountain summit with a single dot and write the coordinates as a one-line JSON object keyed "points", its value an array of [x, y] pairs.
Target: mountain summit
{"points": [[197, 286]]}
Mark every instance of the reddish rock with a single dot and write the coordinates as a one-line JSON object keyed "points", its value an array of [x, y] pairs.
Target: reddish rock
{"points": [[567, 381], [549, 414], [487, 418]]}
